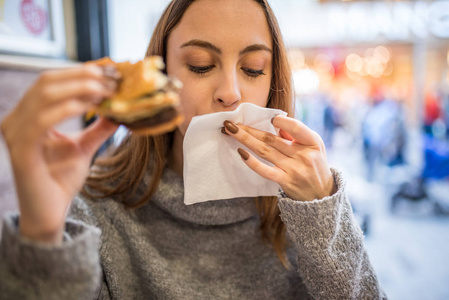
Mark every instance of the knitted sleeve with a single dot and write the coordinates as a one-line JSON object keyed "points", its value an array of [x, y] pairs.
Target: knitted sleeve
{"points": [[30, 270], [332, 259]]}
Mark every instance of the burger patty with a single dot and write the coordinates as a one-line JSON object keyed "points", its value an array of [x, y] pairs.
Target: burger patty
{"points": [[165, 115]]}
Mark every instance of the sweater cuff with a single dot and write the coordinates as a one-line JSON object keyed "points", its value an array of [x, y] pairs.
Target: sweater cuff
{"points": [[75, 259], [318, 218]]}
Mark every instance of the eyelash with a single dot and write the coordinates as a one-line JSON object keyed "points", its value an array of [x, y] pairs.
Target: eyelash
{"points": [[202, 70], [252, 72]]}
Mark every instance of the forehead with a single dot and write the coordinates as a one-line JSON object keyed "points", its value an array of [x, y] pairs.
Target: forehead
{"points": [[224, 23]]}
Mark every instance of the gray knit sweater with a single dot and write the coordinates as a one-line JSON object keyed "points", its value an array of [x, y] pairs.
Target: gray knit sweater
{"points": [[212, 250]]}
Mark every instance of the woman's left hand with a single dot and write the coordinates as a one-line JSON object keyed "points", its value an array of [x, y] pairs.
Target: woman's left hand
{"points": [[298, 155]]}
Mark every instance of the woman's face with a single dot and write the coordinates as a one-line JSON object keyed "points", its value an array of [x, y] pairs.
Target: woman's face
{"points": [[222, 52]]}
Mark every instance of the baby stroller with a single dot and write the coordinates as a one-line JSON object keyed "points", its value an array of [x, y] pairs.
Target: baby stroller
{"points": [[436, 167]]}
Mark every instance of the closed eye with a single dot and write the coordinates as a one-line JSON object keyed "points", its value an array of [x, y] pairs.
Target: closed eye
{"points": [[252, 72], [201, 69]]}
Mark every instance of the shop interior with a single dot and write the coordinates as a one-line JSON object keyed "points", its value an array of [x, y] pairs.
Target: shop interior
{"points": [[372, 78]]}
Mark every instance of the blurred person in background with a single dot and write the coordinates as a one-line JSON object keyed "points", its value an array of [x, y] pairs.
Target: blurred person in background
{"points": [[383, 133], [129, 234], [446, 113], [318, 112], [432, 111], [435, 152], [330, 121]]}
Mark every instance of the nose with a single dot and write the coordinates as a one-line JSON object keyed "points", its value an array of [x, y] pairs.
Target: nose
{"points": [[228, 93]]}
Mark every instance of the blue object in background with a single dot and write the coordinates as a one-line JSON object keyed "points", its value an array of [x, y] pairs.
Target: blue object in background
{"points": [[436, 158]]}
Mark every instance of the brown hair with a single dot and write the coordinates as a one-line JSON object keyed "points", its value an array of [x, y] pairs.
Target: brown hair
{"points": [[127, 165]]}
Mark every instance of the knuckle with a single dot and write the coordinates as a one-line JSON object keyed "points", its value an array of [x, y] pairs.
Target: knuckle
{"points": [[268, 138], [91, 86], [91, 70], [264, 151]]}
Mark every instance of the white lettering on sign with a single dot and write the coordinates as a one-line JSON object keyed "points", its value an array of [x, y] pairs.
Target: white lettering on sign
{"points": [[439, 19], [365, 21], [396, 22]]}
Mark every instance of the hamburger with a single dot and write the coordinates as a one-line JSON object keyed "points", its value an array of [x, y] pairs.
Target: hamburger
{"points": [[145, 100]]}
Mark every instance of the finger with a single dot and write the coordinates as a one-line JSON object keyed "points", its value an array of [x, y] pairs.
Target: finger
{"points": [[260, 148], [54, 134], [282, 145], [297, 130], [56, 114], [96, 134], [271, 173], [284, 134], [84, 89], [84, 71]]}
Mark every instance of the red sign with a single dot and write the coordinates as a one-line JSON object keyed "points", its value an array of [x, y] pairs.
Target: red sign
{"points": [[33, 16]]}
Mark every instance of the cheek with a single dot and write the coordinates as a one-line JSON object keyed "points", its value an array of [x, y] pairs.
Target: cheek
{"points": [[189, 94], [187, 108], [194, 101], [259, 94], [261, 97]]}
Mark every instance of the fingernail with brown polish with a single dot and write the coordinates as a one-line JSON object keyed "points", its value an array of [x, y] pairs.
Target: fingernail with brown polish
{"points": [[223, 130], [243, 154], [231, 127]]}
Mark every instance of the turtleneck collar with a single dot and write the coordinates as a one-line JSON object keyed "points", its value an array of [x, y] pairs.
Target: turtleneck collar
{"points": [[169, 197]]}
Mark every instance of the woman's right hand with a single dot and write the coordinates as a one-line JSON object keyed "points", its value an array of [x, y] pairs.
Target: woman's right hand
{"points": [[49, 167]]}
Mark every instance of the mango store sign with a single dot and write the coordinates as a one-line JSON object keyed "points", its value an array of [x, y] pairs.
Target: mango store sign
{"points": [[365, 22]]}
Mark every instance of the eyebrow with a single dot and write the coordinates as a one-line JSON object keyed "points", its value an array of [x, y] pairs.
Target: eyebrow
{"points": [[255, 47], [209, 46]]}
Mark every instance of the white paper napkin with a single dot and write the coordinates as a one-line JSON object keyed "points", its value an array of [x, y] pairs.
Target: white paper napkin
{"points": [[213, 168]]}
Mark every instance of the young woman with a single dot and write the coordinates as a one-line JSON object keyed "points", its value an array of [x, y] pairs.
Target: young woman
{"points": [[128, 235]]}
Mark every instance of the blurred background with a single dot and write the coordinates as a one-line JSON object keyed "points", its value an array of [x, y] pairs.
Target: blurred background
{"points": [[371, 77]]}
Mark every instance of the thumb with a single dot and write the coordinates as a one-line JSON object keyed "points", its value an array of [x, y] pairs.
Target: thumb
{"points": [[96, 134]]}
